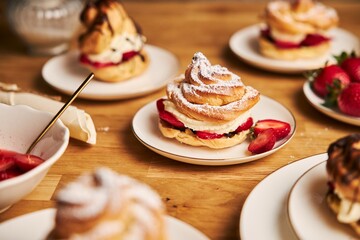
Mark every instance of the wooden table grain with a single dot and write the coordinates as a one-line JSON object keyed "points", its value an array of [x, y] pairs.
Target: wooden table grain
{"points": [[209, 198]]}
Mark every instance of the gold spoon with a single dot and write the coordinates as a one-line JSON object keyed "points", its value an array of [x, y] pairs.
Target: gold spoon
{"points": [[61, 111]]}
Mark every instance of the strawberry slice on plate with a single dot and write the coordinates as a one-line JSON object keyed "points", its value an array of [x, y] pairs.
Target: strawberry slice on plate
{"points": [[263, 142], [27, 162], [281, 129]]}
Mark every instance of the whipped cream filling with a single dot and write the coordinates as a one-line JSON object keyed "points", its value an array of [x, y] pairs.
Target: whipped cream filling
{"points": [[120, 44], [285, 37], [349, 211], [206, 126]]}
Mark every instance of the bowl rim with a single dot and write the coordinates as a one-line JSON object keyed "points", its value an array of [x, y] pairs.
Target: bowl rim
{"points": [[50, 161]]}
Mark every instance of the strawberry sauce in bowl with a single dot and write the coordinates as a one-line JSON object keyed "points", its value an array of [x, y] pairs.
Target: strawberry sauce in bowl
{"points": [[20, 173]]}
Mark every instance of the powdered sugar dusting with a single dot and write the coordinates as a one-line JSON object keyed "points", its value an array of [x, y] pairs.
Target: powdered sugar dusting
{"points": [[201, 69], [316, 17], [222, 82], [104, 190], [174, 91]]}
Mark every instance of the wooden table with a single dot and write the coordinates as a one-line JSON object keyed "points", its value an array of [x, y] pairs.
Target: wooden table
{"points": [[209, 198]]}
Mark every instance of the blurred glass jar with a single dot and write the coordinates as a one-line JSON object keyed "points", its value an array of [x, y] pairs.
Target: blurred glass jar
{"points": [[45, 26]]}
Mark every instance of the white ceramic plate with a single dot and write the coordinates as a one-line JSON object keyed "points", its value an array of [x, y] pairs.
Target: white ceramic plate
{"points": [[65, 74], [36, 226], [244, 44], [145, 128], [309, 214], [263, 215], [335, 113]]}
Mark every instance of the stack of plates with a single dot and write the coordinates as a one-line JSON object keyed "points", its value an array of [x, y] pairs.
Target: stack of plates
{"points": [[291, 203]]}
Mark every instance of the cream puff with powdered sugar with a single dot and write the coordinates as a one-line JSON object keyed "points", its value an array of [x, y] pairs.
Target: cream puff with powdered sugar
{"points": [[207, 106], [105, 205], [297, 29]]}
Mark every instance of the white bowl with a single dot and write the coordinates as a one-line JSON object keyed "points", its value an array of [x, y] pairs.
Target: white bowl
{"points": [[19, 127]]}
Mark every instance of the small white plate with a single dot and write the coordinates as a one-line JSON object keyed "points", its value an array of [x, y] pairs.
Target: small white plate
{"points": [[65, 73], [244, 43], [263, 215], [37, 225], [309, 214], [145, 128], [335, 113]]}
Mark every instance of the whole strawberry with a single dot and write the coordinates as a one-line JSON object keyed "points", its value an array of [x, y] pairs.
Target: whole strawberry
{"points": [[323, 80], [349, 100], [352, 68]]}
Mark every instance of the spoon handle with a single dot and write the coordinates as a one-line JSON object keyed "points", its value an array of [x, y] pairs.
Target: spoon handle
{"points": [[60, 112]]}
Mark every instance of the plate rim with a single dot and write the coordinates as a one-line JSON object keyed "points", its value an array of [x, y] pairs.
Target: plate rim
{"points": [[289, 197], [245, 32], [345, 230], [309, 95], [268, 176], [222, 161], [50, 211], [112, 96]]}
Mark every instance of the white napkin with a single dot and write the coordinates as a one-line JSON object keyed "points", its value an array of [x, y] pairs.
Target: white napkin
{"points": [[79, 122]]}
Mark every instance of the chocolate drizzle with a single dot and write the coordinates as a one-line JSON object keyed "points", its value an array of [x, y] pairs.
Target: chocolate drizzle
{"points": [[343, 165]]}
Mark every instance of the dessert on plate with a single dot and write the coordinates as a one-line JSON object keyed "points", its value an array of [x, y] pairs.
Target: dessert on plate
{"points": [[207, 106], [112, 46], [296, 29], [105, 205], [343, 171]]}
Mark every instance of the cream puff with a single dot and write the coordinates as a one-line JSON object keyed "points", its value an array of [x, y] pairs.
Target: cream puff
{"points": [[296, 29], [343, 170], [104, 205], [112, 46], [207, 106]]}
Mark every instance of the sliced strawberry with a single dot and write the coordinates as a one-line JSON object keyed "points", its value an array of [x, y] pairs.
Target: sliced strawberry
{"points": [[245, 126], [314, 39], [310, 40], [11, 173], [6, 163], [126, 56], [286, 45], [281, 129], [207, 135], [323, 79], [27, 162], [349, 100], [6, 160], [264, 141], [167, 116]]}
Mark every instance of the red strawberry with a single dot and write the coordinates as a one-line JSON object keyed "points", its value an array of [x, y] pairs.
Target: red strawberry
{"points": [[323, 79], [314, 39], [245, 126], [207, 135], [6, 163], [6, 160], [352, 68], [349, 100], [27, 162], [166, 116], [264, 141], [281, 129], [9, 174], [126, 56]]}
